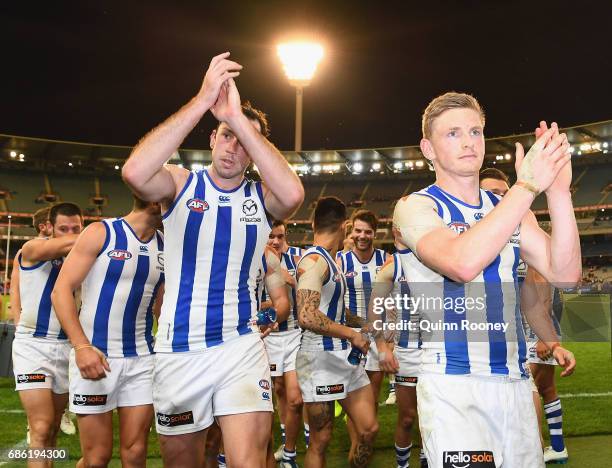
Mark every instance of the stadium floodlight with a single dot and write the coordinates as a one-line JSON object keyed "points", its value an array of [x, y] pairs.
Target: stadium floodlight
{"points": [[316, 168], [300, 60], [420, 164], [13, 154], [116, 167], [357, 167], [376, 166], [397, 165], [508, 156]]}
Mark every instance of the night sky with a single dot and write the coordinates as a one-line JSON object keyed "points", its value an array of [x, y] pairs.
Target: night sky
{"points": [[108, 71]]}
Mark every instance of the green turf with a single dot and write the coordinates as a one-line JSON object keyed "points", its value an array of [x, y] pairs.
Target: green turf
{"points": [[587, 421]]}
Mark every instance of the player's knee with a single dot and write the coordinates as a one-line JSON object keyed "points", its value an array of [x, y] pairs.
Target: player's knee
{"points": [[319, 440], [42, 431], [406, 419], [294, 401], [369, 432], [134, 454], [97, 459]]}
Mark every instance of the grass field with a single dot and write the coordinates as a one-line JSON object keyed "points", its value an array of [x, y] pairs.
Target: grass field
{"points": [[587, 416]]}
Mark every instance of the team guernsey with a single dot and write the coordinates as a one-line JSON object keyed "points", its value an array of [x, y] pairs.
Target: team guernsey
{"points": [[359, 278], [119, 291], [332, 305], [473, 328], [38, 317], [219, 237], [408, 319]]}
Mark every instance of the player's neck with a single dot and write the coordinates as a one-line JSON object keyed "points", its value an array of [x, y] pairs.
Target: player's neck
{"points": [[328, 241], [364, 256], [222, 183], [141, 223], [465, 188]]}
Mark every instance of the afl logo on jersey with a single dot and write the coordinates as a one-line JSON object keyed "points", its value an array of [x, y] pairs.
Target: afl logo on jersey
{"points": [[119, 254], [459, 227], [197, 205], [350, 274], [337, 277]]}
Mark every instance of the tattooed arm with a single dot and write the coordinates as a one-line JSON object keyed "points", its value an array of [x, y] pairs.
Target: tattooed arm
{"points": [[312, 273], [352, 320]]}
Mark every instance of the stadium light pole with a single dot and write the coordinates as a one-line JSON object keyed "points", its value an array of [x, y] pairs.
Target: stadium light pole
{"points": [[300, 60]]}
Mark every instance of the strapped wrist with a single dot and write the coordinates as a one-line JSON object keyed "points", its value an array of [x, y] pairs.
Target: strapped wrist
{"points": [[527, 186]]}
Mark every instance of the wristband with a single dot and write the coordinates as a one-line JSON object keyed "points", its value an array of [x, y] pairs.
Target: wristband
{"points": [[82, 346], [527, 186], [555, 345]]}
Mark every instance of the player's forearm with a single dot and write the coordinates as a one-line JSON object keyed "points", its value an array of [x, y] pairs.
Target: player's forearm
{"points": [[353, 320], [536, 310], [378, 314], [282, 307], [66, 311], [49, 249], [475, 249], [565, 255], [273, 168], [317, 322], [156, 148]]}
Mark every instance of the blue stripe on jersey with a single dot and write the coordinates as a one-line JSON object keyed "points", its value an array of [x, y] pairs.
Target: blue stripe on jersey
{"points": [[106, 239], [492, 197], [149, 316], [244, 296], [132, 304], [259, 190], [454, 212], [105, 301], [180, 337], [290, 262], [350, 283], [178, 197], [495, 314], [44, 308], [218, 273], [328, 344], [520, 335], [445, 196], [438, 206], [366, 282], [405, 332]]}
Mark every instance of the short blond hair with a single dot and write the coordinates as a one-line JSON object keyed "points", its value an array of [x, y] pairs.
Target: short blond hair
{"points": [[441, 104]]}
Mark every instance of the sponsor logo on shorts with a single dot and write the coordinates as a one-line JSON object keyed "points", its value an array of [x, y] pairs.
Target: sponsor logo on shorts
{"points": [[406, 379], [196, 205], [265, 396], [89, 400], [171, 420], [119, 254], [468, 459], [330, 389], [263, 383], [272, 367], [31, 378]]}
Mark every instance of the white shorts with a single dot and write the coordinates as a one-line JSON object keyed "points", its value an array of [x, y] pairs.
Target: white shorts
{"points": [[478, 421], [129, 383], [327, 375], [40, 363], [409, 366], [190, 388], [282, 348], [532, 356]]}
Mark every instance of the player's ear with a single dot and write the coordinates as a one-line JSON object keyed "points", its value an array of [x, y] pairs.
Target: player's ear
{"points": [[427, 149], [213, 135]]}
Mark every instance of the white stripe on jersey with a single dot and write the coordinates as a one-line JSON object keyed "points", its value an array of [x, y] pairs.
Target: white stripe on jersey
{"points": [[37, 314], [214, 242], [409, 335], [332, 305], [119, 291], [359, 278], [495, 294]]}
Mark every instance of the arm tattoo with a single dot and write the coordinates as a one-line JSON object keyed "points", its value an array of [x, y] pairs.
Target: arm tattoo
{"points": [[311, 318], [353, 320]]}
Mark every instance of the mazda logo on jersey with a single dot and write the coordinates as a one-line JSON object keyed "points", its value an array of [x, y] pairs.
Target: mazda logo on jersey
{"points": [[468, 459], [249, 207], [459, 227], [197, 205], [119, 254]]}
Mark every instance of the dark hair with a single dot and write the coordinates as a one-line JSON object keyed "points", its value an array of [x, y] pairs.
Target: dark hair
{"points": [[253, 113], [40, 217], [139, 203], [329, 214], [366, 216], [66, 209], [279, 222], [493, 173]]}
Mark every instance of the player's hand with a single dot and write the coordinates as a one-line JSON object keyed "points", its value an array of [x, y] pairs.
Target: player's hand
{"points": [[542, 351], [386, 359], [545, 159], [92, 363], [565, 359], [265, 330], [359, 340], [290, 280], [564, 179], [228, 106], [219, 71]]}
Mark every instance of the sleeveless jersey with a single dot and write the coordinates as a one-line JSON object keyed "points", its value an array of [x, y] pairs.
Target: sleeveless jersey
{"points": [[214, 242], [38, 317], [119, 291], [466, 321], [332, 305], [359, 278]]}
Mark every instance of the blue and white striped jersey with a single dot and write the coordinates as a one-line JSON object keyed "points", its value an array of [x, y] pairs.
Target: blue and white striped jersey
{"points": [[359, 278], [38, 317], [409, 336], [332, 305], [119, 291], [491, 300], [294, 251], [288, 262], [214, 241]]}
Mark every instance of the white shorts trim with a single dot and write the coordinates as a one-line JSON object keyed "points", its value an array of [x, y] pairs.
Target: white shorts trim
{"points": [[40, 363], [409, 366]]}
